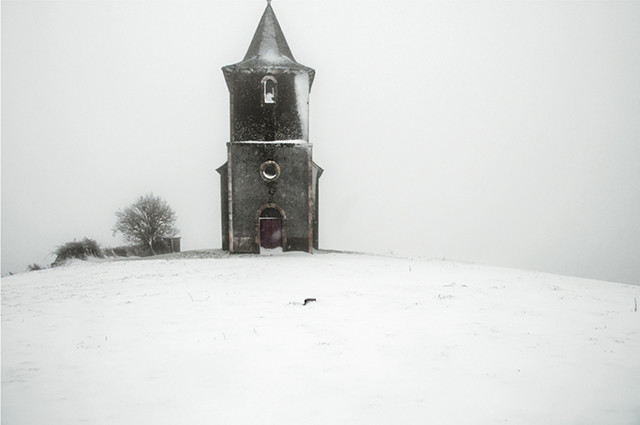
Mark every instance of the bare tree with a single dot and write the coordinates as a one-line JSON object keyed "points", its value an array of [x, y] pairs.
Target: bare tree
{"points": [[147, 221]]}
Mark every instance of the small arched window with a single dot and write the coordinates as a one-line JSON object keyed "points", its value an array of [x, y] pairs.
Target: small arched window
{"points": [[269, 89]]}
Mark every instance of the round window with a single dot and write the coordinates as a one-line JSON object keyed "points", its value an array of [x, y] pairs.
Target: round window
{"points": [[270, 170]]}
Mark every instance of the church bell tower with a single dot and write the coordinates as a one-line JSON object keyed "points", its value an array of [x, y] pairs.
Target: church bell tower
{"points": [[269, 184]]}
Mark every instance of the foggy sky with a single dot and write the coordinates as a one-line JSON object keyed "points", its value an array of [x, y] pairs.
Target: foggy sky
{"points": [[503, 133]]}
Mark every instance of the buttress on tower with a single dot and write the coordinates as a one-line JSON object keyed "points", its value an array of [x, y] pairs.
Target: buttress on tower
{"points": [[269, 184]]}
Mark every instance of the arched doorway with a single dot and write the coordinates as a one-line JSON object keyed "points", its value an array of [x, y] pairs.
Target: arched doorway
{"points": [[271, 226]]}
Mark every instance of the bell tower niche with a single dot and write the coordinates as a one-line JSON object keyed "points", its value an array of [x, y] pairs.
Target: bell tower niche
{"points": [[269, 184]]}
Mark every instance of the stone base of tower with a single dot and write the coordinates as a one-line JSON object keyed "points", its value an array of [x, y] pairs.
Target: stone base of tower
{"points": [[269, 197]]}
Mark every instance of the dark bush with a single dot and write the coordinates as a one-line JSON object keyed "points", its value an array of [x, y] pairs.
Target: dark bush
{"points": [[33, 267], [81, 250]]}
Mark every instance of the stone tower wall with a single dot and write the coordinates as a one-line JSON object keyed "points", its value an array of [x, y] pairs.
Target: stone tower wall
{"points": [[285, 119], [290, 191]]}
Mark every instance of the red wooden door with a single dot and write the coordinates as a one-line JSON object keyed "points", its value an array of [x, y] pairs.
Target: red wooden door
{"points": [[270, 232]]}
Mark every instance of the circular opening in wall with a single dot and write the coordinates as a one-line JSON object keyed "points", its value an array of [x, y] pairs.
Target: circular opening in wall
{"points": [[270, 170]]}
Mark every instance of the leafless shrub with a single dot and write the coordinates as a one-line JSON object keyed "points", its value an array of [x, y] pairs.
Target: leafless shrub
{"points": [[146, 222]]}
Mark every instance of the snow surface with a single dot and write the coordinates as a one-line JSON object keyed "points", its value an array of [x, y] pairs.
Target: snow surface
{"points": [[226, 340]]}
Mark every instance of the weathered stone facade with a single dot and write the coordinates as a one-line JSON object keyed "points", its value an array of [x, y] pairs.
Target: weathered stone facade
{"points": [[269, 184]]}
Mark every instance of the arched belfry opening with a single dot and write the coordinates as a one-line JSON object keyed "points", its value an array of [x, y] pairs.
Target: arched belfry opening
{"points": [[269, 168], [269, 89]]}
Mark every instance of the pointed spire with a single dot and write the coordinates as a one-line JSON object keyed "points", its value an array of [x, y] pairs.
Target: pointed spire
{"points": [[268, 49], [268, 41]]}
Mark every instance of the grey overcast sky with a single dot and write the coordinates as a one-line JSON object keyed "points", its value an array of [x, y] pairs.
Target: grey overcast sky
{"points": [[503, 133]]}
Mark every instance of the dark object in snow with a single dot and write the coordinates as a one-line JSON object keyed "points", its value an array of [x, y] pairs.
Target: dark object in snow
{"points": [[269, 185], [309, 300]]}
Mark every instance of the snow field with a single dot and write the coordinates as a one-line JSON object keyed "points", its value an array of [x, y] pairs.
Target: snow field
{"points": [[227, 340]]}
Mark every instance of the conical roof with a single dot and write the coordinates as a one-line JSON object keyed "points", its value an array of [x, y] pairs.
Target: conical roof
{"points": [[268, 41], [268, 49]]}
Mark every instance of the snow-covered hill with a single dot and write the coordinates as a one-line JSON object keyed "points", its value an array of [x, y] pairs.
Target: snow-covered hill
{"points": [[226, 340]]}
